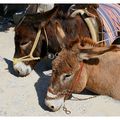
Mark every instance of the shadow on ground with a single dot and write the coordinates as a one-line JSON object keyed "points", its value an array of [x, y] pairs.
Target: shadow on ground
{"points": [[10, 67], [87, 92], [5, 24], [43, 82], [41, 89]]}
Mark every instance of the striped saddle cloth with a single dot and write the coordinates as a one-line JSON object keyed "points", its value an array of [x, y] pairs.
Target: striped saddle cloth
{"points": [[110, 15]]}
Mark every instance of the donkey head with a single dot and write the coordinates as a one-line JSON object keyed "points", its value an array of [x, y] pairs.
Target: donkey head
{"points": [[67, 68], [25, 34]]}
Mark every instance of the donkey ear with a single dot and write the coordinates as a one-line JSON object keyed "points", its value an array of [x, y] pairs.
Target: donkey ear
{"points": [[48, 14], [40, 17], [32, 8], [60, 34], [90, 53]]}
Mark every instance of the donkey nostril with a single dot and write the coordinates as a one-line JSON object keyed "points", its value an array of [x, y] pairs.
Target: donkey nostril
{"points": [[52, 107], [17, 72]]}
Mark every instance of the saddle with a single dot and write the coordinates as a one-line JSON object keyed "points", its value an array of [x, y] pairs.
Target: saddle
{"points": [[103, 21]]}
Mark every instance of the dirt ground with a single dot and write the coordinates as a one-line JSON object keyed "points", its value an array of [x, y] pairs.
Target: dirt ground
{"points": [[24, 96]]}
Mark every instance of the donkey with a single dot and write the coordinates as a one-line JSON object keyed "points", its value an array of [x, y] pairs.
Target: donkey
{"points": [[78, 67], [25, 34], [86, 22], [42, 25]]}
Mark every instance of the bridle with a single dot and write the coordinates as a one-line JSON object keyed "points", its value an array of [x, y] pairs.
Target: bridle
{"points": [[67, 93], [75, 81], [69, 90], [30, 56]]}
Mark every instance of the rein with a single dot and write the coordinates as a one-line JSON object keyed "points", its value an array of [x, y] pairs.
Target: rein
{"points": [[30, 56], [75, 82], [68, 91]]}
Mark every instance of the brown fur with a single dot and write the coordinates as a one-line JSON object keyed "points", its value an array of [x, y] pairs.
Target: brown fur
{"points": [[74, 29], [101, 78], [100, 73], [27, 29]]}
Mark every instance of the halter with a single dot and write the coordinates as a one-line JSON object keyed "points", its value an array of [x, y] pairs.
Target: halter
{"points": [[75, 82], [90, 21], [30, 56], [69, 91]]}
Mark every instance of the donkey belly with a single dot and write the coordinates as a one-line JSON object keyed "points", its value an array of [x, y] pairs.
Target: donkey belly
{"points": [[112, 90], [105, 77]]}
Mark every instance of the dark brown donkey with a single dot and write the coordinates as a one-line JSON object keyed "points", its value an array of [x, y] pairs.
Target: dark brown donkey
{"points": [[77, 67], [33, 26], [41, 27]]}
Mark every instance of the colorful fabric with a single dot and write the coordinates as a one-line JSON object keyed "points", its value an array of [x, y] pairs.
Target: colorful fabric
{"points": [[110, 15]]}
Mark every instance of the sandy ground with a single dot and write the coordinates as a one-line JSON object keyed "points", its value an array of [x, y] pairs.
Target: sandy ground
{"points": [[24, 96]]}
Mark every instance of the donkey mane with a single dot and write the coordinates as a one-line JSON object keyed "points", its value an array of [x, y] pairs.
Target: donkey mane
{"points": [[62, 11], [88, 40]]}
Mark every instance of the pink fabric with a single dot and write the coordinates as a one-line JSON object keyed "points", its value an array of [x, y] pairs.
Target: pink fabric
{"points": [[110, 15]]}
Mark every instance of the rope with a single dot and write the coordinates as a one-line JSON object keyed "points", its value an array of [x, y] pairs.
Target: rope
{"points": [[66, 110], [76, 99], [45, 36], [35, 43], [30, 56], [111, 31], [107, 39], [79, 99]]}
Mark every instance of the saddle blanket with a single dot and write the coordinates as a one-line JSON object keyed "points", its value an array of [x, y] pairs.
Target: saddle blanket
{"points": [[110, 16]]}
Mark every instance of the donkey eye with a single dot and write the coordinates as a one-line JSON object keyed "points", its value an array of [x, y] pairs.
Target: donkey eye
{"points": [[67, 76], [53, 70], [25, 44]]}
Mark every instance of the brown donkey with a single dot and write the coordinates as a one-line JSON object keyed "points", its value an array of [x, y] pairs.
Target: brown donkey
{"points": [[28, 29], [78, 67]]}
